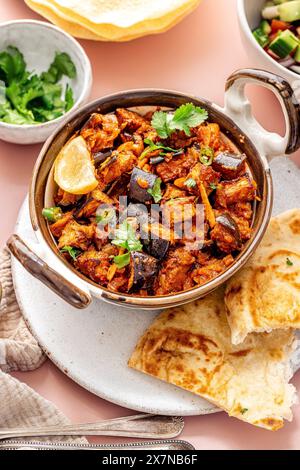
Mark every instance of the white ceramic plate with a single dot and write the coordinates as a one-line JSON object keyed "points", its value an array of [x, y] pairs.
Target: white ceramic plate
{"points": [[92, 346]]}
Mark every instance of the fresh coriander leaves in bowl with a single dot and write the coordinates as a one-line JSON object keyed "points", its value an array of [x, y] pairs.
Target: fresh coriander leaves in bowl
{"points": [[29, 98], [45, 75]]}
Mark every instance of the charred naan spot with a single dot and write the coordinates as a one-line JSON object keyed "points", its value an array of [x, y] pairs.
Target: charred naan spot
{"points": [[295, 226], [234, 290], [171, 316], [241, 353], [285, 253]]}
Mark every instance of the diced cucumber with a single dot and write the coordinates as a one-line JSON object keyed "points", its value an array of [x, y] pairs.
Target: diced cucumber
{"points": [[297, 55], [265, 27], [289, 11], [260, 37], [284, 44]]}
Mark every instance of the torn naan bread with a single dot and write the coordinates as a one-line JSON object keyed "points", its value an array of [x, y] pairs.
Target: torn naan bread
{"points": [[265, 295], [190, 347]]}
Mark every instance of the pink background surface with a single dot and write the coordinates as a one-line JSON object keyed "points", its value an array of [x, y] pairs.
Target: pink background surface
{"points": [[196, 56]]}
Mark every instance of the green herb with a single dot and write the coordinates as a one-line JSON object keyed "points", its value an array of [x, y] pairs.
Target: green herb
{"points": [[28, 98], [159, 146], [122, 260], [62, 65], [156, 191], [190, 183], [244, 410], [206, 156], [289, 262], [105, 216], [184, 118], [52, 214], [69, 98], [213, 186], [73, 252], [125, 237]]}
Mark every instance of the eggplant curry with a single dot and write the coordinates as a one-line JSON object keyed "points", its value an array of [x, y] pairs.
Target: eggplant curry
{"points": [[164, 165]]}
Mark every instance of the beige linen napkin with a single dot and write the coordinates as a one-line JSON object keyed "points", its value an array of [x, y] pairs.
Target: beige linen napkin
{"points": [[19, 404]]}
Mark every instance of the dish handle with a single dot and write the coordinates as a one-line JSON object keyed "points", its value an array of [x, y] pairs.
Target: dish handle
{"points": [[238, 108], [72, 294]]}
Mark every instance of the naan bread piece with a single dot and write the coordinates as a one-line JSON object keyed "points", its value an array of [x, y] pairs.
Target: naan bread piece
{"points": [[116, 20], [265, 295], [190, 347]]}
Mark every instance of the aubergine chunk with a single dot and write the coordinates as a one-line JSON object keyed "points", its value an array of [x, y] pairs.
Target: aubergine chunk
{"points": [[144, 269], [140, 182], [158, 247], [239, 190], [226, 234], [230, 165]]}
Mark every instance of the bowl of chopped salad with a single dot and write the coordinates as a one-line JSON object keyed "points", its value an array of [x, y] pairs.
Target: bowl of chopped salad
{"points": [[44, 76], [271, 34]]}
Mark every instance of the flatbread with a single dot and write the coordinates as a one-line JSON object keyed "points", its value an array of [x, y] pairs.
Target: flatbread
{"points": [[72, 28], [191, 347], [116, 20], [265, 295]]}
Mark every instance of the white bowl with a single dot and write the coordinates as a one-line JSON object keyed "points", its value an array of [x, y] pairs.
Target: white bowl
{"points": [[39, 41], [249, 14]]}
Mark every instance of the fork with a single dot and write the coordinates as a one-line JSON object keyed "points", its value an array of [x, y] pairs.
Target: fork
{"points": [[143, 426]]}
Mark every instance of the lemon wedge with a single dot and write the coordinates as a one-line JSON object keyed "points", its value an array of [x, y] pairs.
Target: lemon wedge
{"points": [[74, 171]]}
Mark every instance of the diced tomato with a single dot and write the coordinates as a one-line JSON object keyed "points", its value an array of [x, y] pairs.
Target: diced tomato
{"points": [[278, 25]]}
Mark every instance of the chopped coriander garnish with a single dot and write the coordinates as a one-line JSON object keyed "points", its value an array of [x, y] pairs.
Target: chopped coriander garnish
{"points": [[159, 146], [206, 156], [125, 237], [289, 262], [122, 260], [244, 410], [156, 191], [213, 186], [184, 118], [73, 252], [190, 183], [28, 98]]}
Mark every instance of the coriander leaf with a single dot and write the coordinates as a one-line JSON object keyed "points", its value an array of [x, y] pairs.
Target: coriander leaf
{"points": [[213, 186], [125, 237], [188, 116], [156, 191], [160, 122], [73, 252], [12, 116], [12, 65], [184, 118], [122, 260], [18, 61], [69, 98], [190, 183], [159, 146], [62, 65], [289, 262]]}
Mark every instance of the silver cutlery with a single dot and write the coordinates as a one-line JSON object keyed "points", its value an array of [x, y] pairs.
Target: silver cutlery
{"points": [[138, 426], [154, 445]]}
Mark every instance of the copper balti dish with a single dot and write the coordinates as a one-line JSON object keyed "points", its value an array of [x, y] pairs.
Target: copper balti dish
{"points": [[237, 125]]}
